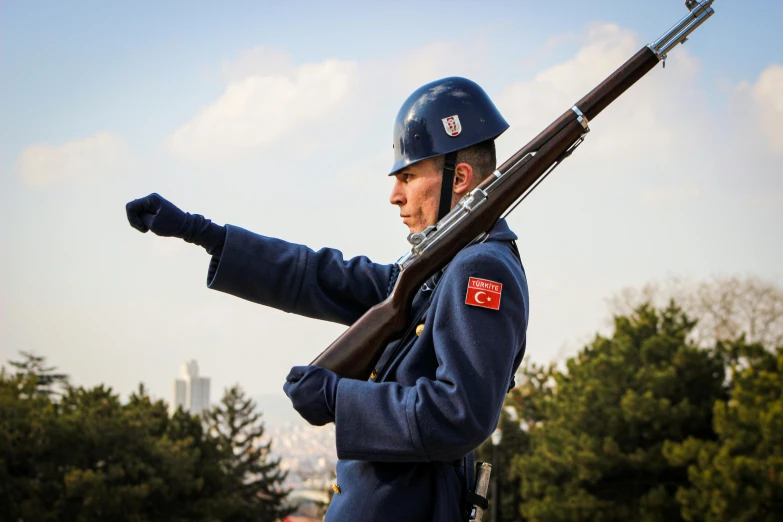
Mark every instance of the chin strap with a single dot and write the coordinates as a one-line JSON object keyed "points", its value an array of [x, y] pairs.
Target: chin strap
{"points": [[447, 185]]}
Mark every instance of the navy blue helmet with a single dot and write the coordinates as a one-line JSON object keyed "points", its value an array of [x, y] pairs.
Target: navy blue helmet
{"points": [[441, 117]]}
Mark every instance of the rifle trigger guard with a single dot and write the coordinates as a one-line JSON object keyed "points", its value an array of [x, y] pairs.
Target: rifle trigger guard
{"points": [[581, 118]]}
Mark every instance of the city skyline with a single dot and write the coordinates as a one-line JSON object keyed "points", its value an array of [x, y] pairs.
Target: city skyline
{"points": [[190, 391]]}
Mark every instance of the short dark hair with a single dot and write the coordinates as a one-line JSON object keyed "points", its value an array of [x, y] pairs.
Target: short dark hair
{"points": [[481, 156]]}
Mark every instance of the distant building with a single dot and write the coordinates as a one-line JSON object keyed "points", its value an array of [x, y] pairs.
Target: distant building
{"points": [[190, 391]]}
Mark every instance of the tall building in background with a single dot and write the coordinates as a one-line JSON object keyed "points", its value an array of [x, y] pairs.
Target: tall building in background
{"points": [[190, 391]]}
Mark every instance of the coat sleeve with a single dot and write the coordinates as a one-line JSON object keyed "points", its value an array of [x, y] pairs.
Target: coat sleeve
{"points": [[446, 417], [296, 279]]}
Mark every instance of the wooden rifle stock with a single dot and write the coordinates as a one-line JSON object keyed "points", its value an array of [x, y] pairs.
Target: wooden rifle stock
{"points": [[356, 352]]}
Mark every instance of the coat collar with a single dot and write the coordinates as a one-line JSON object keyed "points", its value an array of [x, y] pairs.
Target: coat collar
{"points": [[501, 232]]}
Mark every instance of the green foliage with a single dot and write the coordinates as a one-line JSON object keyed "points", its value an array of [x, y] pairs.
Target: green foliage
{"points": [[595, 446], [644, 425], [257, 479], [45, 378], [739, 476], [88, 457]]}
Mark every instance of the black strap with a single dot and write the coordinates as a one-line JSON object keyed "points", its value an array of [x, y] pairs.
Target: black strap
{"points": [[470, 497], [447, 185], [513, 382], [395, 273], [470, 472], [515, 248], [474, 499]]}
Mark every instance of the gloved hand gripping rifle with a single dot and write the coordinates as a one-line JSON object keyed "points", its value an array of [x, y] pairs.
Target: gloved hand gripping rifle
{"points": [[355, 353]]}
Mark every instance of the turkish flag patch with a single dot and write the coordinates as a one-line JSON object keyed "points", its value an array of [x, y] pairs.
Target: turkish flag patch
{"points": [[483, 293]]}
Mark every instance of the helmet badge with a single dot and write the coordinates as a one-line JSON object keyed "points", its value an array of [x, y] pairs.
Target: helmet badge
{"points": [[452, 125]]}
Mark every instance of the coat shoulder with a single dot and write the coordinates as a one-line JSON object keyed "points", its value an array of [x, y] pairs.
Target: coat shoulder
{"points": [[492, 256], [493, 261]]}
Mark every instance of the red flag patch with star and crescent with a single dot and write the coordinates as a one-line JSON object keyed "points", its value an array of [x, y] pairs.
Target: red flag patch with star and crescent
{"points": [[483, 293]]}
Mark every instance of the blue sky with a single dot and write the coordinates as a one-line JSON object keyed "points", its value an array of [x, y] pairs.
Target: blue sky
{"points": [[70, 63], [103, 102]]}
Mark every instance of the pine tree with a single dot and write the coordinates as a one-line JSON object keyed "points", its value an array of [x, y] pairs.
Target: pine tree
{"points": [[598, 454], [257, 478], [46, 380], [739, 476], [88, 457]]}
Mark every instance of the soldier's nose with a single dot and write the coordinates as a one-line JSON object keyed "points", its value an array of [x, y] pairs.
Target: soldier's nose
{"points": [[396, 197]]}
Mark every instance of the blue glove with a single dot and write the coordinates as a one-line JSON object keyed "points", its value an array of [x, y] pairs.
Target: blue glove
{"points": [[313, 392], [165, 219], [155, 213]]}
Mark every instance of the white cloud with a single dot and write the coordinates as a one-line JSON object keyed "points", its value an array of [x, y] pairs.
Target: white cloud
{"points": [[647, 113], [766, 94], [389, 82], [441, 59], [84, 160], [272, 104], [531, 105], [261, 110], [259, 61]]}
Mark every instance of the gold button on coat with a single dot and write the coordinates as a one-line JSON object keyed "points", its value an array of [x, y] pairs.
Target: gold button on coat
{"points": [[374, 374], [336, 488], [419, 329]]}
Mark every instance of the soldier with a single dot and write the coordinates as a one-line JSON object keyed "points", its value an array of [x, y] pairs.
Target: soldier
{"points": [[405, 437]]}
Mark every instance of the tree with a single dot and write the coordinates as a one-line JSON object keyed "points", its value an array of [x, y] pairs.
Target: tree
{"points": [[109, 461], [726, 307], [26, 417], [45, 378], [88, 457], [739, 477], [597, 455], [257, 479]]}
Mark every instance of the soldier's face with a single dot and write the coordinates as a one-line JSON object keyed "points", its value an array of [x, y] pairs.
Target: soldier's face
{"points": [[417, 192]]}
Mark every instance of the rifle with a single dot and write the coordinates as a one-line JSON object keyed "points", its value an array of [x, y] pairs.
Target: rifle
{"points": [[355, 353]]}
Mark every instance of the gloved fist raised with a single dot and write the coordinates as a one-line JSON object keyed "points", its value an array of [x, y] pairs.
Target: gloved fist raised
{"points": [[165, 219], [313, 392], [157, 214]]}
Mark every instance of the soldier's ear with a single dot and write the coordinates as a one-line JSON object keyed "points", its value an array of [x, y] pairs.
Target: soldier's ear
{"points": [[463, 178]]}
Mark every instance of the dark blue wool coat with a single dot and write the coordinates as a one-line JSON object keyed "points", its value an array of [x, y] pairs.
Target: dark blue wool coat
{"points": [[401, 436]]}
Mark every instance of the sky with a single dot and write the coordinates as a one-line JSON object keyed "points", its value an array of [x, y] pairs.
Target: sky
{"points": [[277, 117]]}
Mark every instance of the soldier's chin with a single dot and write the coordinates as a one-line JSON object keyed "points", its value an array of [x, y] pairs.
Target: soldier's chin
{"points": [[413, 229]]}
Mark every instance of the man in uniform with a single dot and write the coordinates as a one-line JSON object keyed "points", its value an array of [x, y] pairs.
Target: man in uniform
{"points": [[404, 437]]}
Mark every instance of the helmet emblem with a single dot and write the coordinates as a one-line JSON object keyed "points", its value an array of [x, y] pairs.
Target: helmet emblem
{"points": [[452, 125]]}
